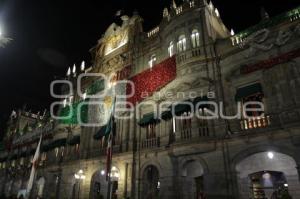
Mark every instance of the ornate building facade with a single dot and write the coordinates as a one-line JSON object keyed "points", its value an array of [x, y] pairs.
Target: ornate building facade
{"points": [[189, 57]]}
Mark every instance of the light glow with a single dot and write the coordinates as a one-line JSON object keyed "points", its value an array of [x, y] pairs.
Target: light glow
{"points": [[174, 124], [82, 66], [232, 32], [69, 71], [82, 177], [217, 12], [74, 69], [270, 155]]}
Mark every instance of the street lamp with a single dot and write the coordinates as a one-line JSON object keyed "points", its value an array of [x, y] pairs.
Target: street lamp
{"points": [[79, 176], [114, 177], [3, 40]]}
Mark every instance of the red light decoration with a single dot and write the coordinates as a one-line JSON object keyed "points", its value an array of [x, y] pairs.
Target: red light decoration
{"points": [[265, 64], [151, 80]]}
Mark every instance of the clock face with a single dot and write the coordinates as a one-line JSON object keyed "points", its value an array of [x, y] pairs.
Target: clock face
{"points": [[116, 41]]}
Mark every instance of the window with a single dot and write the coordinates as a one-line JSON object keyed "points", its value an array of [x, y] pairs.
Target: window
{"points": [[152, 60], [22, 161], [195, 39], [192, 4], [62, 150], [150, 131], [203, 123], [181, 45], [171, 49], [186, 121], [56, 150], [13, 163], [255, 119], [77, 148]]}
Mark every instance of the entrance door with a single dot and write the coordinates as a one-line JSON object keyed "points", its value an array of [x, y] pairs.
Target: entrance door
{"points": [[268, 185]]}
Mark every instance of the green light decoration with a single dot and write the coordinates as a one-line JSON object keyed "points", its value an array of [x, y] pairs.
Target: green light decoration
{"points": [[291, 15], [96, 87], [93, 89], [74, 108]]}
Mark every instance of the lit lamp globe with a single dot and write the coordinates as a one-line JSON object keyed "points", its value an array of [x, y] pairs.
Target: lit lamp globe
{"points": [[115, 174]]}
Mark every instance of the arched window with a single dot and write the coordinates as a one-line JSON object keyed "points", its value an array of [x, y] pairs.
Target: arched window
{"points": [[181, 44], [171, 49], [195, 39], [152, 60]]}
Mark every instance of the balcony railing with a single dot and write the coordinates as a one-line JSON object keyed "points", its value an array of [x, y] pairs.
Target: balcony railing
{"points": [[191, 133], [255, 123], [188, 55], [186, 134], [150, 143]]}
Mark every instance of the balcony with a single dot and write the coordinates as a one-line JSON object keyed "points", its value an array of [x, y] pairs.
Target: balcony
{"points": [[194, 133], [255, 123], [190, 55], [150, 143]]}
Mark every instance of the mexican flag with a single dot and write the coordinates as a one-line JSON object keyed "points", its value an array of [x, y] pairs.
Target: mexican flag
{"points": [[33, 168]]}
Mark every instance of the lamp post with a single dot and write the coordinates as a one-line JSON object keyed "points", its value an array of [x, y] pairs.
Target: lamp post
{"points": [[114, 177], [79, 176]]}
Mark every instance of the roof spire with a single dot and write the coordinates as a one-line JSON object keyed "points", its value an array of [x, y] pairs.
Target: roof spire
{"points": [[74, 69], [263, 13], [232, 32], [69, 71], [174, 4], [82, 66]]}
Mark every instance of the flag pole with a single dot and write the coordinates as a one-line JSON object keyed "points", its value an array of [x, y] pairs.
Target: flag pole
{"points": [[110, 152], [33, 169]]}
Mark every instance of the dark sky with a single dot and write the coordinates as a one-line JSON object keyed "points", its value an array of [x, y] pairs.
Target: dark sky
{"points": [[51, 35]]}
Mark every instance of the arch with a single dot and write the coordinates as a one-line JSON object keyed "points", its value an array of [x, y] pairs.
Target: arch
{"points": [[183, 160], [181, 44], [251, 163], [99, 185], [154, 163], [40, 187], [171, 49], [195, 38], [192, 170], [150, 182], [262, 148]]}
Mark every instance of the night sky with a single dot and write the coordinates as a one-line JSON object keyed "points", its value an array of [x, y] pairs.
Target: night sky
{"points": [[49, 36]]}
